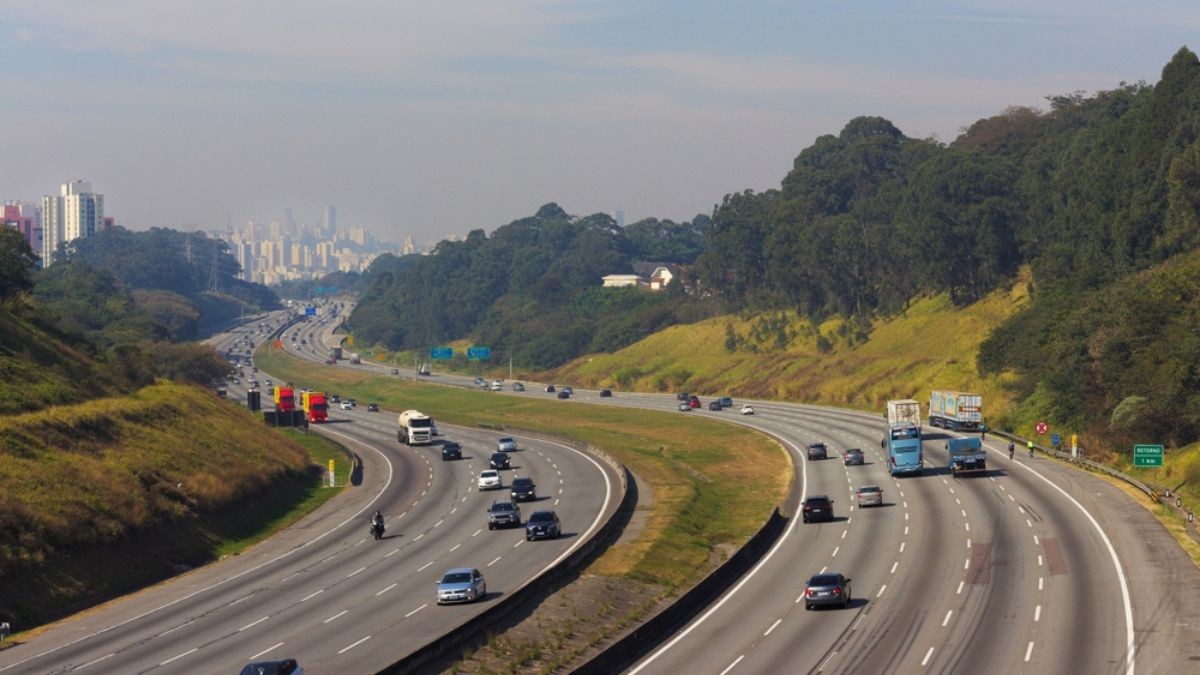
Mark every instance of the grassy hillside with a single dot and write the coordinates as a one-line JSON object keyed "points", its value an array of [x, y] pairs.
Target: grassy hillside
{"points": [[111, 494], [40, 366], [931, 345]]}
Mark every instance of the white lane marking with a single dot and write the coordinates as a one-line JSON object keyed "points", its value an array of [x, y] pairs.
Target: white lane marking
{"points": [[902, 546], [906, 505], [347, 648], [799, 597], [1029, 522], [835, 551], [1037, 613], [946, 620], [418, 501], [406, 513], [336, 616], [1029, 651], [273, 647], [1012, 498], [735, 662], [960, 587], [906, 515], [477, 532], [455, 547], [95, 661], [968, 526], [418, 536], [967, 564], [464, 499], [958, 501], [422, 568], [928, 654], [290, 576], [964, 512], [881, 589], [894, 566], [968, 542], [312, 595], [394, 552], [1021, 509], [453, 510], [252, 624], [519, 542], [387, 589], [1003, 488], [439, 522], [1039, 560], [180, 626], [193, 650], [777, 622], [556, 502], [1035, 540], [906, 530], [951, 490], [496, 560], [844, 532], [416, 610], [356, 572], [1040, 580]]}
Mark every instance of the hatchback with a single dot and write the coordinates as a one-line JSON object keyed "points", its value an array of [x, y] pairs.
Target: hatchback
{"points": [[451, 450], [817, 451], [853, 456], [827, 589], [869, 495], [523, 490]]}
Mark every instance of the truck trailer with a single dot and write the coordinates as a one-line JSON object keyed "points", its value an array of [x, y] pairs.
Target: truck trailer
{"points": [[904, 411], [966, 456], [903, 439], [335, 353], [416, 428], [955, 410]]}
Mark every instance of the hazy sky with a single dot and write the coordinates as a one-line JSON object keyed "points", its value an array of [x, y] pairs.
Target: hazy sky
{"points": [[438, 117]]}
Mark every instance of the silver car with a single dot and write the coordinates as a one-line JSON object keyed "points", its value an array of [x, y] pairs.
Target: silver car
{"points": [[506, 444], [869, 495], [461, 584]]}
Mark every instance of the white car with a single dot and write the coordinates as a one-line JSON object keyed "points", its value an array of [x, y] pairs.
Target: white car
{"points": [[747, 409], [489, 479], [497, 385], [347, 405]]}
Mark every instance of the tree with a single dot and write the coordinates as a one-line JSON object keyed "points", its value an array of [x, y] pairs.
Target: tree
{"points": [[16, 263]]}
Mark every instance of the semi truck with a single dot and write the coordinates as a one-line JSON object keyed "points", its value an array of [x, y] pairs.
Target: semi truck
{"points": [[904, 411], [285, 398], [335, 353], [966, 456], [903, 442], [955, 410], [315, 406], [416, 428]]}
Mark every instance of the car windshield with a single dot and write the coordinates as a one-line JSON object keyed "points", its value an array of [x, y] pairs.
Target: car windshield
{"points": [[824, 580], [488, 474], [522, 483], [502, 506], [818, 501], [456, 578], [506, 439], [869, 488], [542, 516]]}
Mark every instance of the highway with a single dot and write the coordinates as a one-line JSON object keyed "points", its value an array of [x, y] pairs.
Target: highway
{"points": [[323, 591]]}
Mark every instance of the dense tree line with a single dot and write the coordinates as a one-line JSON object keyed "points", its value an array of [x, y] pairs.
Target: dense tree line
{"points": [[531, 289]]}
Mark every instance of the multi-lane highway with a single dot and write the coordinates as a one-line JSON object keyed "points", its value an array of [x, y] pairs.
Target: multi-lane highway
{"points": [[324, 592]]}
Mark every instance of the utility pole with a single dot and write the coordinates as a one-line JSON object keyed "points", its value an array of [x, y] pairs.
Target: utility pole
{"points": [[510, 366]]}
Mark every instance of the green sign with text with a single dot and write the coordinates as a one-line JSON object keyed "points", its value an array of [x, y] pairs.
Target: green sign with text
{"points": [[1147, 455]]}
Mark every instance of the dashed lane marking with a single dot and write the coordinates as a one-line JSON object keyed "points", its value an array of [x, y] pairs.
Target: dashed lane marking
{"points": [[336, 616], [252, 624], [312, 595], [387, 589], [347, 648], [496, 560]]}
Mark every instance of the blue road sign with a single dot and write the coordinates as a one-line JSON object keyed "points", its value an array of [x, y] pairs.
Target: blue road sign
{"points": [[310, 311], [441, 353], [1056, 440], [479, 352]]}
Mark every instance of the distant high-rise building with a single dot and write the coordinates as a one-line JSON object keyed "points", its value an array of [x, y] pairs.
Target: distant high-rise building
{"points": [[329, 225], [408, 248], [24, 218], [619, 216], [76, 212]]}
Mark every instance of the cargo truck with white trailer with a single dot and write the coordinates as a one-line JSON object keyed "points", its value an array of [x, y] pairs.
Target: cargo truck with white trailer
{"points": [[955, 410], [904, 411]]}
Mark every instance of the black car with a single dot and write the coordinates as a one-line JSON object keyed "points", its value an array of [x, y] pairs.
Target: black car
{"points": [[827, 589], [277, 667], [523, 490], [569, 391], [818, 507], [499, 460], [549, 389], [817, 451], [853, 456], [564, 394], [451, 450], [372, 407], [606, 393], [726, 402], [682, 396], [714, 405], [543, 525]]}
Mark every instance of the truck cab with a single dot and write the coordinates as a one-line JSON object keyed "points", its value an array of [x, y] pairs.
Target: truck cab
{"points": [[966, 456]]}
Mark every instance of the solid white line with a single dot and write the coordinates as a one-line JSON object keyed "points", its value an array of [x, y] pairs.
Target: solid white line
{"points": [[335, 616], [312, 595], [946, 620], [858, 621], [881, 589], [253, 623], [355, 572], [277, 645], [193, 650], [925, 661], [423, 567], [1029, 651], [495, 561], [735, 662], [1037, 613], [387, 589], [343, 650], [89, 663], [777, 622], [416, 610]]}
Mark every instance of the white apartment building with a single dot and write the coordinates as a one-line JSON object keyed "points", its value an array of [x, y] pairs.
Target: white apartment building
{"points": [[76, 212]]}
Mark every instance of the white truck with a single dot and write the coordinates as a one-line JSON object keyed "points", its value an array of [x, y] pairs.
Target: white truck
{"points": [[955, 410], [355, 359], [904, 411], [416, 428]]}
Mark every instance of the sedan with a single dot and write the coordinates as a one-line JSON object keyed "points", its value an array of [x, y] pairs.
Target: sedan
{"points": [[517, 386], [489, 479], [451, 450], [549, 389], [714, 405], [461, 584], [869, 495], [827, 589], [684, 407], [372, 407], [564, 394], [568, 391], [347, 405], [817, 507], [499, 460], [747, 409], [853, 456], [506, 444], [817, 451], [523, 490], [543, 525]]}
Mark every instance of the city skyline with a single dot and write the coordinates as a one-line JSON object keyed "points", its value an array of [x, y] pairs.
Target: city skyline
{"points": [[427, 121]]}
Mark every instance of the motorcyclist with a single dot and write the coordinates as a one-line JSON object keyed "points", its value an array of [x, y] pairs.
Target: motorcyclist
{"points": [[377, 522]]}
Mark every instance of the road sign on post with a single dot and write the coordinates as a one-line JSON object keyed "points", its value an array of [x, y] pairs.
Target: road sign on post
{"points": [[310, 311], [441, 353], [1147, 455], [481, 353], [1056, 441], [1041, 428]]}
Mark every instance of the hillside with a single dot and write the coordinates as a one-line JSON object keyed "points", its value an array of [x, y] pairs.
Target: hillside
{"points": [[930, 345]]}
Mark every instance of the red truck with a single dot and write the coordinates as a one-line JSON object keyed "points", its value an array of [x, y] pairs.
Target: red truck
{"points": [[285, 399], [315, 406]]}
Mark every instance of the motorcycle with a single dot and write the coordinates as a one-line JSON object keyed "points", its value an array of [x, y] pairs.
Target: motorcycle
{"points": [[377, 530]]}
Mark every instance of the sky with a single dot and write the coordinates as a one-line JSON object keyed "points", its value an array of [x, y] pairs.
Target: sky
{"points": [[436, 118]]}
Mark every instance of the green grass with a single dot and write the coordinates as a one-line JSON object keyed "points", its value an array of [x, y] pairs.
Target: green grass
{"points": [[712, 484]]}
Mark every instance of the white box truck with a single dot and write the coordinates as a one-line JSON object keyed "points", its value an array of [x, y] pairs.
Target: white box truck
{"points": [[955, 410], [904, 411]]}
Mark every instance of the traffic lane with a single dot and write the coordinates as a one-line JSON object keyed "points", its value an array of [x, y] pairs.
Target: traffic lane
{"points": [[154, 611]]}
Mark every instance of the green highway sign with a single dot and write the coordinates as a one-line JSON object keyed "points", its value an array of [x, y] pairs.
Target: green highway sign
{"points": [[1147, 455]]}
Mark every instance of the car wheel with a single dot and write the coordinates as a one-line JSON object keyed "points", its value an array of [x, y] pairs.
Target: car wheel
{"points": [[491, 526], [528, 537], [807, 607]]}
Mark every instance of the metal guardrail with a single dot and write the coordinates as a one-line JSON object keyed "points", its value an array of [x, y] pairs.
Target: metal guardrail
{"points": [[1086, 463]]}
